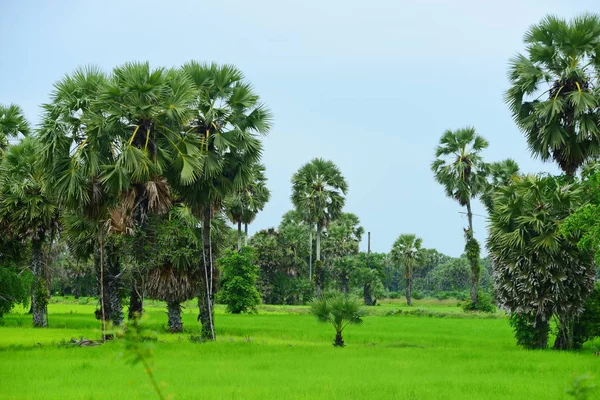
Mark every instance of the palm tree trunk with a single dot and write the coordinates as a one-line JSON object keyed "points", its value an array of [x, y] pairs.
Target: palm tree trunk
{"points": [[39, 296], [174, 314], [472, 260], [339, 340], [245, 234], [205, 295], [310, 242], [239, 236], [319, 230], [367, 297], [408, 291]]}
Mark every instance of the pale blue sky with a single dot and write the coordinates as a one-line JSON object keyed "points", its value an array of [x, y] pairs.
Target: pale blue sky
{"points": [[370, 85]]}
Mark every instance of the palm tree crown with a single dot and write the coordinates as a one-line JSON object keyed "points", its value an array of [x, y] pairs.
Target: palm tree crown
{"points": [[554, 92]]}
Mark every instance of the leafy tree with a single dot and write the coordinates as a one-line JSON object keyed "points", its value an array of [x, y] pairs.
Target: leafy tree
{"points": [[553, 97], [342, 237], [407, 251], [367, 275], [244, 204], [15, 288], [460, 169], [318, 190], [539, 272], [238, 287], [29, 210], [453, 275], [339, 310]]}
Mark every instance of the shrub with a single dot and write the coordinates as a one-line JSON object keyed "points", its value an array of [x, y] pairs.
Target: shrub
{"points": [[417, 295], [339, 310], [588, 325], [240, 273], [530, 332], [484, 304]]}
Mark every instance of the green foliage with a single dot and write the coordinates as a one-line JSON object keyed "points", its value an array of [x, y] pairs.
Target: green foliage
{"points": [[453, 275], [582, 387], [15, 288], [484, 303], [587, 326], [238, 283], [339, 310], [531, 331]]}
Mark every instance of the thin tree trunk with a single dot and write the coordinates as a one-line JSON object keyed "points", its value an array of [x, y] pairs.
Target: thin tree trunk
{"points": [[136, 300], [564, 336], [245, 234], [473, 261], [205, 297], [239, 236], [339, 341], [408, 291], [310, 245], [174, 314], [39, 291], [319, 230]]}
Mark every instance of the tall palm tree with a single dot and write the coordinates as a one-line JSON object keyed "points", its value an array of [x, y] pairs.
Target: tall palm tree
{"points": [[228, 117], [318, 193], [407, 251], [554, 93], [461, 170], [244, 204], [29, 210], [12, 123]]}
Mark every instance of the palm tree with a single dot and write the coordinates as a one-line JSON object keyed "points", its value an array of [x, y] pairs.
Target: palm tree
{"points": [[12, 123], [460, 169], [318, 190], [407, 251], [175, 254], [539, 272], [500, 174], [27, 207], [244, 204], [338, 310], [553, 97], [228, 118]]}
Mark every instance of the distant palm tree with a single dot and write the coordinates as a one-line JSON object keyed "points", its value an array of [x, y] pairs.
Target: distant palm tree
{"points": [[339, 310], [407, 251], [318, 190], [554, 93], [460, 169], [244, 204], [29, 210], [500, 174]]}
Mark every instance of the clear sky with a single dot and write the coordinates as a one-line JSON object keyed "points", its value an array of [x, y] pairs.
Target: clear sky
{"points": [[370, 85]]}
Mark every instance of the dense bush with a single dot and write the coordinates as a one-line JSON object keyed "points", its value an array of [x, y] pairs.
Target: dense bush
{"points": [[15, 288], [531, 331], [239, 276], [485, 303]]}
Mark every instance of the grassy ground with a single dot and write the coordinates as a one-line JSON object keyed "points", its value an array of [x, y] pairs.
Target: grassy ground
{"points": [[283, 353]]}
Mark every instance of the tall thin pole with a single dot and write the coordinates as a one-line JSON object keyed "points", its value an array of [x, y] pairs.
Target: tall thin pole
{"points": [[369, 243]]}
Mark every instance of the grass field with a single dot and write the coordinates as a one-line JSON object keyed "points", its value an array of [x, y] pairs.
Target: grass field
{"points": [[283, 353]]}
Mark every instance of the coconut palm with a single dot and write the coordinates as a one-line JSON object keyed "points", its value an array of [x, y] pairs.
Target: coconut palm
{"points": [[538, 272], [318, 190], [339, 310], [28, 209], [407, 251], [554, 93], [460, 169], [244, 204], [228, 117], [12, 123]]}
